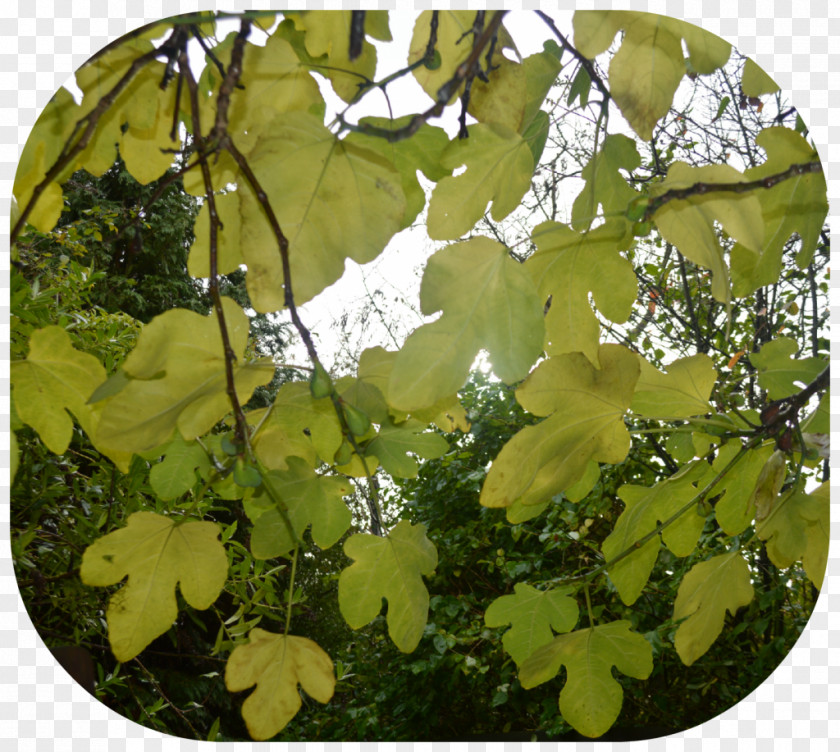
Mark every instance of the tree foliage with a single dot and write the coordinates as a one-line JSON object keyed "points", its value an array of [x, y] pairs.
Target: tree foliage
{"points": [[609, 511]]}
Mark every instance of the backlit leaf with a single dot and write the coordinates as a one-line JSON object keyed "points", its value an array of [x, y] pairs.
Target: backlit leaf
{"points": [[177, 373], [680, 393], [532, 615], [591, 698], [647, 69], [644, 509], [569, 266], [498, 310], [277, 664], [175, 475], [733, 511], [585, 408], [797, 205], [309, 499], [389, 568], [780, 372], [156, 554], [797, 528], [499, 167], [689, 223], [708, 590], [755, 82], [395, 441]]}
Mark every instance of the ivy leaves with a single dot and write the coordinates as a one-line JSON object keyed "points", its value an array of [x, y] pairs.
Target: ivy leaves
{"points": [[156, 554]]}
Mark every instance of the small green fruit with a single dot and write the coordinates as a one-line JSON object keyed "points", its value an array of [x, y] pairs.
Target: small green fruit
{"points": [[637, 207], [320, 385], [246, 475], [344, 453], [229, 445], [642, 229], [357, 421]]}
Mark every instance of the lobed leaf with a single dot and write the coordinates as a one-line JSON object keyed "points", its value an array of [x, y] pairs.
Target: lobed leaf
{"points": [[780, 372], [156, 554], [277, 664], [591, 698], [389, 568]]}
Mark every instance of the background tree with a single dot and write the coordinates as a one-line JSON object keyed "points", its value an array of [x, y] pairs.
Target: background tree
{"points": [[662, 556]]}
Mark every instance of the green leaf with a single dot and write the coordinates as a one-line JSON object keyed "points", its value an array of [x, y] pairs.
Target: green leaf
{"points": [[156, 554], [581, 489], [40, 152], [591, 699], [690, 223], [586, 408], [389, 568], [733, 510], [569, 266], [175, 475], [297, 425], [798, 205], [309, 499], [532, 615], [277, 664], [178, 380], [798, 528], [681, 393], [755, 82], [780, 372], [488, 301], [394, 442], [499, 166], [644, 509], [708, 590], [55, 378], [606, 187]]}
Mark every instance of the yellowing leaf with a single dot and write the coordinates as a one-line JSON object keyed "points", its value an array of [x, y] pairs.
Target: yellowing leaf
{"points": [[755, 82], [607, 187], [796, 205], [422, 151], [647, 69], [591, 698], [689, 223], [780, 372], [156, 554], [488, 301], [333, 200], [682, 393], [644, 509], [177, 373], [309, 499], [798, 528], [328, 33], [394, 442], [54, 378], [40, 152], [585, 406], [391, 568], [499, 166], [708, 590], [533, 614], [569, 266], [277, 664]]}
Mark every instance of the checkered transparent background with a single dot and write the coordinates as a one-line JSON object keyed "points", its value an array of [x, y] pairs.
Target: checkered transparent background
{"points": [[44, 41]]}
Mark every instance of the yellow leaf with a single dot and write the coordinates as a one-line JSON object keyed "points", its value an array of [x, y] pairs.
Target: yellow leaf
{"points": [[499, 167], [156, 554], [682, 393], [755, 82], [277, 664], [705, 594], [585, 408]]}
